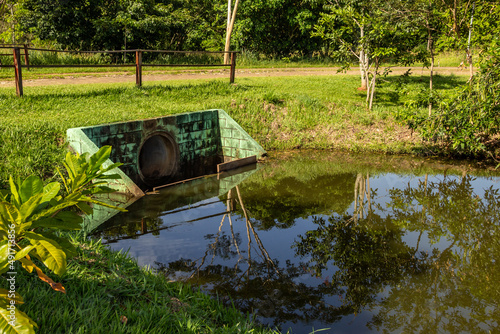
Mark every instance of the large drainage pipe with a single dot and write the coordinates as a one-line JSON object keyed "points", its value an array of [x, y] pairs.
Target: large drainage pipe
{"points": [[158, 158]]}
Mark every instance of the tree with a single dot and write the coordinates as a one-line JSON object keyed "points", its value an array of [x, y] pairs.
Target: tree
{"points": [[231, 17], [8, 24], [427, 15], [278, 28], [468, 122], [345, 25], [371, 33], [101, 24]]}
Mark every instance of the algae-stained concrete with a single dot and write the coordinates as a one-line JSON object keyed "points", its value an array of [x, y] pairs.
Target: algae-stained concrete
{"points": [[167, 149]]}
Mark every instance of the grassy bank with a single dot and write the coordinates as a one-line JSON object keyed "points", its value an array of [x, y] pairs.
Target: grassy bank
{"points": [[280, 113], [106, 292]]}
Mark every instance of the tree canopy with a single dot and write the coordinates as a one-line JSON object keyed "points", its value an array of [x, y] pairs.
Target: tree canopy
{"points": [[274, 28]]}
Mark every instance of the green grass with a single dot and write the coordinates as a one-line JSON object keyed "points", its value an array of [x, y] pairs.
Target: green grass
{"points": [[103, 288], [324, 112]]}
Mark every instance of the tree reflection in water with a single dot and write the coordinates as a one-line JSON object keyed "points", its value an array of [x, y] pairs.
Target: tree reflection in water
{"points": [[256, 284], [407, 289], [459, 292], [448, 290]]}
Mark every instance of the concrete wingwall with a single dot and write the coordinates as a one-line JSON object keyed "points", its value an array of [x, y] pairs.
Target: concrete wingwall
{"points": [[167, 149]]}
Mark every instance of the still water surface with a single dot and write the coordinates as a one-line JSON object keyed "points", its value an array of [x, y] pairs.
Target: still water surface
{"points": [[344, 243]]}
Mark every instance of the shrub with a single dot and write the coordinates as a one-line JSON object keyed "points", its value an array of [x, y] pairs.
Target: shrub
{"points": [[469, 121], [30, 216]]}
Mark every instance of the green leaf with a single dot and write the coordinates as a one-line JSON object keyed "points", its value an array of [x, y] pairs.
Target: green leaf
{"points": [[66, 202], [111, 167], [9, 213], [28, 265], [50, 191], [4, 193], [14, 190], [64, 220], [33, 185], [22, 325], [87, 209], [80, 180], [98, 158], [110, 176], [23, 252], [49, 251], [66, 245], [99, 190], [29, 207], [91, 200], [70, 165], [4, 297], [4, 255], [65, 182]]}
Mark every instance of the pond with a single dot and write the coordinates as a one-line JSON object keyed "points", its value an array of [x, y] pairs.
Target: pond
{"points": [[341, 243]]}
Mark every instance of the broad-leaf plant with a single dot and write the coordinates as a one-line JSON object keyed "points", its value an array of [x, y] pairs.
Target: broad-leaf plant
{"points": [[32, 213]]}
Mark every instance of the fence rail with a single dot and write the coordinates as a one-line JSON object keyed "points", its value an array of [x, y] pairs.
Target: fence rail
{"points": [[18, 65]]}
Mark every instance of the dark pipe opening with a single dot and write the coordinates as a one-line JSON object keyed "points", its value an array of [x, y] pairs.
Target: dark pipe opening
{"points": [[158, 157]]}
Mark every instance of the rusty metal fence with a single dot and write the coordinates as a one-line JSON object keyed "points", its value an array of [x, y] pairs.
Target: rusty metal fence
{"points": [[21, 51]]}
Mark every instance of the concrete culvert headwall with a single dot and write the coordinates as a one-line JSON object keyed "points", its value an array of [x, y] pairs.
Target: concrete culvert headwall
{"points": [[167, 149]]}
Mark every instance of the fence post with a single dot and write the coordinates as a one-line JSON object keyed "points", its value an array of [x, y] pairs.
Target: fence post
{"points": [[233, 67], [138, 68], [26, 57], [18, 72]]}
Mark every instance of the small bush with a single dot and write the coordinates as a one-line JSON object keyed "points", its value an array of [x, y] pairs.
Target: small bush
{"points": [[468, 122]]}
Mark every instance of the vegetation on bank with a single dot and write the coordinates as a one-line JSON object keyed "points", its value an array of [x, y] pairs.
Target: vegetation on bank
{"points": [[31, 216], [107, 292], [467, 122], [280, 113]]}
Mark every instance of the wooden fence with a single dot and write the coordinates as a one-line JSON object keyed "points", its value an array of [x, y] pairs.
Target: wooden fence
{"points": [[19, 50]]}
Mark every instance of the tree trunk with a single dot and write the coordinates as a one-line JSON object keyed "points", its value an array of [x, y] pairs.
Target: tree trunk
{"points": [[363, 64], [430, 48], [362, 69], [229, 30], [372, 86], [229, 5], [228, 24], [13, 25], [431, 75], [455, 19], [469, 51], [368, 90]]}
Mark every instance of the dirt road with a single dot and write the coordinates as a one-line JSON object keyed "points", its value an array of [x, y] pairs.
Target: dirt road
{"points": [[113, 77]]}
